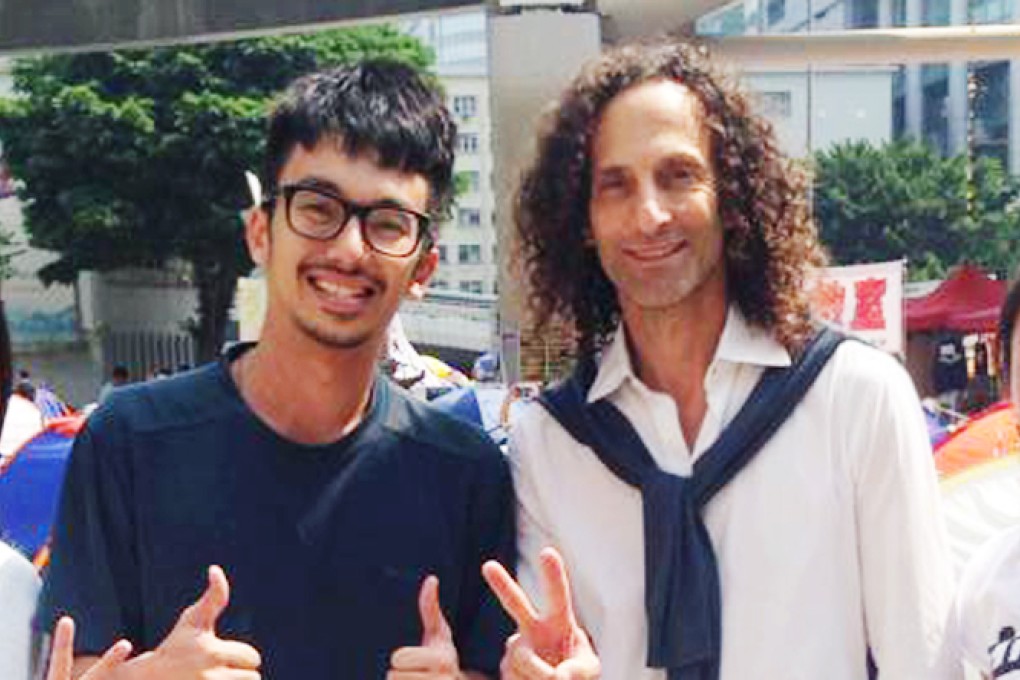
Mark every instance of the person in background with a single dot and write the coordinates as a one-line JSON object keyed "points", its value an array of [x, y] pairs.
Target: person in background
{"points": [[119, 377], [981, 387], [19, 583], [949, 371], [986, 615]]}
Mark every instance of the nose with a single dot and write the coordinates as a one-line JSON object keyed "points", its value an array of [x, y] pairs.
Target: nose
{"points": [[652, 211], [349, 245]]}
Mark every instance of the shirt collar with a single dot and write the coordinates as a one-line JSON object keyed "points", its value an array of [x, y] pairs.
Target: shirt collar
{"points": [[741, 343]]}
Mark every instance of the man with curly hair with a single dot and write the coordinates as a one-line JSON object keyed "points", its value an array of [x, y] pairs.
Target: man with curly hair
{"points": [[661, 222]]}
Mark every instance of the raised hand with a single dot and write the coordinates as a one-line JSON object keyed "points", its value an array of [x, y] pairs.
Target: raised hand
{"points": [[546, 647], [192, 650], [62, 655], [436, 657]]}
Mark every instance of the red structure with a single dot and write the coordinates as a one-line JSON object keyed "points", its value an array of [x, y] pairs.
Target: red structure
{"points": [[968, 302]]}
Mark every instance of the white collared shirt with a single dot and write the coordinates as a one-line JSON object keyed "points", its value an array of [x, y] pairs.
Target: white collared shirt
{"points": [[830, 541]]}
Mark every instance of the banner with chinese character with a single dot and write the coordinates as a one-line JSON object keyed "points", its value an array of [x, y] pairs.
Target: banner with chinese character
{"points": [[864, 299]]}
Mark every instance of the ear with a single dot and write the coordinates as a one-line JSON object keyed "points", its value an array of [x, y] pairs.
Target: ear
{"points": [[423, 271], [256, 234]]}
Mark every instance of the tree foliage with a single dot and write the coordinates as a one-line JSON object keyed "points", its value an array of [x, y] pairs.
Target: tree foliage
{"points": [[136, 157], [903, 200]]}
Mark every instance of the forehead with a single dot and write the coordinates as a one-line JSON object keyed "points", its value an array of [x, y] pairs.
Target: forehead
{"points": [[359, 177], [655, 114]]}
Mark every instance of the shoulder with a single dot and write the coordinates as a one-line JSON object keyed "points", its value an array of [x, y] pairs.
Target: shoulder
{"points": [[538, 440], [862, 370], [16, 573], [182, 400], [991, 571], [416, 421]]}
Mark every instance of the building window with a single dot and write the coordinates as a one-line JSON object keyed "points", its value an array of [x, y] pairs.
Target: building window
{"points": [[990, 11], [936, 106], [467, 143], [468, 181], [776, 104], [471, 287], [899, 107], [439, 284], [469, 254], [776, 11], [935, 12], [864, 14], [465, 106], [469, 217], [442, 253], [989, 83]]}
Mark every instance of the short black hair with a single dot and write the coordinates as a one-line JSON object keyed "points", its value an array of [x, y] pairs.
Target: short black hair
{"points": [[1007, 326], [119, 371], [376, 105]]}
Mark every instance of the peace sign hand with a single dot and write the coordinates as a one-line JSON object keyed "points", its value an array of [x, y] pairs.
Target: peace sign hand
{"points": [[546, 647]]}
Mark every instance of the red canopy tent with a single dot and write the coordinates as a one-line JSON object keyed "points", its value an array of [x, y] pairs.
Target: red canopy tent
{"points": [[968, 301]]}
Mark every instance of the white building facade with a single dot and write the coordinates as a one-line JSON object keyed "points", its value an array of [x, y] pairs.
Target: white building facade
{"points": [[956, 107], [469, 258]]}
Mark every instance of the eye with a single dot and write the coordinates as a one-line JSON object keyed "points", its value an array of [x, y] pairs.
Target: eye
{"points": [[391, 223], [678, 176], [314, 208], [610, 183]]}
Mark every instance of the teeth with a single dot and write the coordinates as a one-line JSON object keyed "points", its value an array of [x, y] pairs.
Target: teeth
{"points": [[336, 289], [656, 250]]}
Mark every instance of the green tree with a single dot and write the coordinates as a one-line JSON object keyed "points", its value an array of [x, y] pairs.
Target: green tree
{"points": [[903, 200], [136, 157]]}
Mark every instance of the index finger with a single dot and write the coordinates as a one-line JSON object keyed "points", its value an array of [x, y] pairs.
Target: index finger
{"points": [[556, 587], [510, 594]]}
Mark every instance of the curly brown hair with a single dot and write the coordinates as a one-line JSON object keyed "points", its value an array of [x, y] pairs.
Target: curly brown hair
{"points": [[770, 241]]}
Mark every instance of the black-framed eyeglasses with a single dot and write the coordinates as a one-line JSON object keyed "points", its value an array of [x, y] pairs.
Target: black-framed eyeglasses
{"points": [[321, 215]]}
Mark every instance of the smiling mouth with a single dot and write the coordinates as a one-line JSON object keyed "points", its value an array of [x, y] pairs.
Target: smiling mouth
{"points": [[341, 296], [651, 252]]}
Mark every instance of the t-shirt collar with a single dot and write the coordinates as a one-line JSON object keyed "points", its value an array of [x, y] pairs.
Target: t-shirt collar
{"points": [[741, 343]]}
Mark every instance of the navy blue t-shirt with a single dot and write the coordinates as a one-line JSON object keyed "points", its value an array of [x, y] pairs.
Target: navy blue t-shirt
{"points": [[325, 547]]}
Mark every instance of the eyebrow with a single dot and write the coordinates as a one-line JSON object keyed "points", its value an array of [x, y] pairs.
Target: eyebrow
{"points": [[330, 187]]}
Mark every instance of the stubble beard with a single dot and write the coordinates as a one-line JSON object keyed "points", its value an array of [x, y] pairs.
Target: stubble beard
{"points": [[332, 338]]}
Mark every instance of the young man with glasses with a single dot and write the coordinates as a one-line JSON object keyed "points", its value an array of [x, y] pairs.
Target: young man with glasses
{"points": [[350, 520]]}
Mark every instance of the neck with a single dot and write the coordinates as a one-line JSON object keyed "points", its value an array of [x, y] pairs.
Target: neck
{"points": [[306, 391], [674, 348], [671, 351]]}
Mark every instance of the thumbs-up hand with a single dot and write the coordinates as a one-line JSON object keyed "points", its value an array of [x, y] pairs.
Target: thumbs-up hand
{"points": [[436, 657], [546, 647], [191, 651], [62, 655]]}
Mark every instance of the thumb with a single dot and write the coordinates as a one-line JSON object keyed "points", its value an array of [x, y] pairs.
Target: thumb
{"points": [[204, 612], [434, 629]]}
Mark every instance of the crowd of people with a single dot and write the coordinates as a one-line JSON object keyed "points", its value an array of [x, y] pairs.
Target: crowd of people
{"points": [[722, 488]]}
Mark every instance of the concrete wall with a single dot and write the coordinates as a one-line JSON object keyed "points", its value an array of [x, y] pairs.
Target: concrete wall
{"points": [[42, 24]]}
